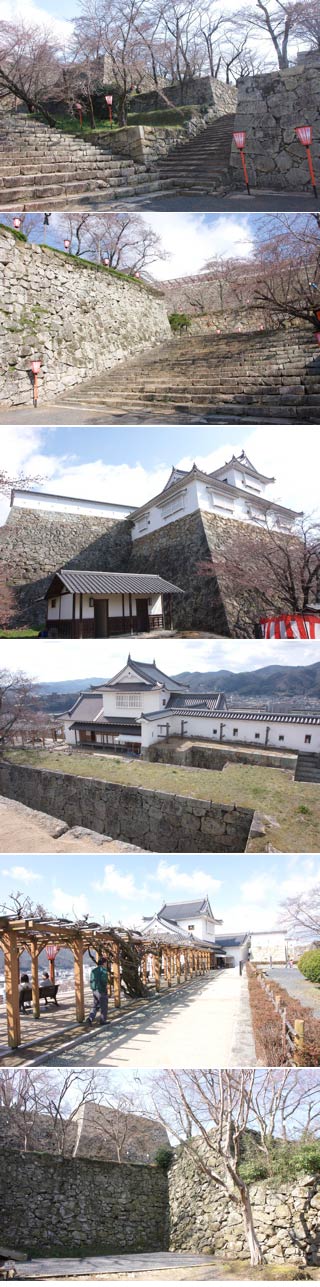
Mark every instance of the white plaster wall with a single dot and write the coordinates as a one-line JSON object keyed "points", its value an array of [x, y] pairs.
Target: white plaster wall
{"points": [[210, 729], [69, 734], [68, 505], [263, 946], [205, 497], [138, 701], [203, 928]]}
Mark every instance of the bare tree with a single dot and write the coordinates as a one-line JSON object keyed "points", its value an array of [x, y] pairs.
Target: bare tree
{"points": [[212, 1112], [308, 23], [16, 700], [301, 911], [109, 32], [29, 68], [279, 571], [125, 240], [287, 267], [276, 19]]}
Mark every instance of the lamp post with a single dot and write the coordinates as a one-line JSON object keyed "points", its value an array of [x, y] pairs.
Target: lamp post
{"points": [[106, 261], [304, 134], [67, 243], [80, 110], [239, 138], [46, 225], [35, 368], [109, 102], [17, 223]]}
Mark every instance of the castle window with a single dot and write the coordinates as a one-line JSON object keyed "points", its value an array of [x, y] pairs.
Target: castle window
{"points": [[130, 701], [235, 732], [190, 927], [91, 603], [215, 730], [257, 736], [308, 738], [281, 737], [53, 603]]}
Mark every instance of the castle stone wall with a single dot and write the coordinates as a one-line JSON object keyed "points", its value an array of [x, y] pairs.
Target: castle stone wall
{"points": [[155, 820], [59, 1206], [269, 108], [75, 319], [286, 1216]]}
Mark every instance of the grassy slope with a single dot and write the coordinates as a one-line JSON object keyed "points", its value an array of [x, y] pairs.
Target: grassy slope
{"points": [[294, 806]]}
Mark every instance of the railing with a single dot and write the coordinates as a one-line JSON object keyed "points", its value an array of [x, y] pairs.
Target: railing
{"points": [[292, 1036]]}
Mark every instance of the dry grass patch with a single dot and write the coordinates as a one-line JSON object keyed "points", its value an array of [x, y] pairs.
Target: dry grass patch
{"points": [[292, 807]]}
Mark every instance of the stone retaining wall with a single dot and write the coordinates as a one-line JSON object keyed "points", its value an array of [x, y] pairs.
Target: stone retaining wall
{"points": [[269, 108], [200, 756], [155, 820], [198, 90], [75, 319], [52, 1206], [286, 1216]]}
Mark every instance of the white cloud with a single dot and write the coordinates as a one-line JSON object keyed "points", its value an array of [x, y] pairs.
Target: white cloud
{"points": [[32, 14], [117, 882], [190, 241], [257, 889], [21, 873], [70, 904], [195, 882]]}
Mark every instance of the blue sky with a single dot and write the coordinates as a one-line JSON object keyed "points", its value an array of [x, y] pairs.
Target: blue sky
{"points": [[245, 890], [58, 659]]}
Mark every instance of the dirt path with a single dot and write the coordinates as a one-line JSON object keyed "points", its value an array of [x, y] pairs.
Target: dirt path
{"points": [[24, 831]]}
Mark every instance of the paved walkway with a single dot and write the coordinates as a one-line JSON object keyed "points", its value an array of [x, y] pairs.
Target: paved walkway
{"points": [[195, 1026], [149, 1264], [291, 979], [258, 200]]}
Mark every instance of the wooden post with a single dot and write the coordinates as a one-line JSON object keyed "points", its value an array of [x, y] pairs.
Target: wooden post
{"points": [[11, 972], [78, 979], [52, 971], [35, 979], [165, 964], [157, 972], [169, 968], [144, 969], [178, 967], [117, 980], [298, 1040]]}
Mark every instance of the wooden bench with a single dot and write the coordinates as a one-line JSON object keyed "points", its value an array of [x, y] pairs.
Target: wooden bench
{"points": [[47, 992]]}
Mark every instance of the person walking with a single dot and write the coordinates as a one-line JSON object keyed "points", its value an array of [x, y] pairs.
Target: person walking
{"points": [[99, 988]]}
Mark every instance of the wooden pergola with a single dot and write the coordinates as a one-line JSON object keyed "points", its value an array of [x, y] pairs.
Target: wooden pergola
{"points": [[33, 935]]}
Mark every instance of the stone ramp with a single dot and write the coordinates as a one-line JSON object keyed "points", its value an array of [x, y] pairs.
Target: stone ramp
{"points": [[269, 377], [135, 1266]]}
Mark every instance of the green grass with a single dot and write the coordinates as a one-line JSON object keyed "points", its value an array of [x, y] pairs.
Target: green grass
{"points": [[19, 236], [269, 790], [80, 262], [24, 633], [162, 116]]}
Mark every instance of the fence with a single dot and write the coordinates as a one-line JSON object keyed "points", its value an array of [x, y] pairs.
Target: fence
{"points": [[292, 1035]]}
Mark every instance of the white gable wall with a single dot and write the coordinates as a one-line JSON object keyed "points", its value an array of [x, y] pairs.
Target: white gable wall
{"points": [[203, 927], [206, 497]]}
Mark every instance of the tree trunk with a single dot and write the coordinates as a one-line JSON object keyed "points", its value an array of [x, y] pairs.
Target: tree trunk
{"points": [[256, 1257]]}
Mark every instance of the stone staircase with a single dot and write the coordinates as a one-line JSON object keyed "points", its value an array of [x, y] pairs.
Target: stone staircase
{"points": [[308, 767], [202, 164], [42, 168], [254, 378]]}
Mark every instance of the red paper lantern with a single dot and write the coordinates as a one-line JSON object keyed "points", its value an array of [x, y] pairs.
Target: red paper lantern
{"points": [[304, 134], [239, 138], [35, 367], [51, 951]]}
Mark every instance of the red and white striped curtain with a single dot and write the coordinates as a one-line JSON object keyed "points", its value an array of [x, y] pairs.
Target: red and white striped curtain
{"points": [[302, 626]]}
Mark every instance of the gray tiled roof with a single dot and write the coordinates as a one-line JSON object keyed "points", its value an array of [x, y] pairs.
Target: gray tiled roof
{"points": [[178, 911], [197, 703], [114, 583]]}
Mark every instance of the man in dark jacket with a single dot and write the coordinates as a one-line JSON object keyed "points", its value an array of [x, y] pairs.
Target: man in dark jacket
{"points": [[99, 988]]}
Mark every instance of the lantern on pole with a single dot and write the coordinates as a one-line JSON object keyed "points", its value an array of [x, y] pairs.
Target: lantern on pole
{"points": [[106, 261], [239, 138], [304, 134], [109, 102], [67, 243], [17, 223], [52, 952], [317, 337], [79, 109], [35, 368]]}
